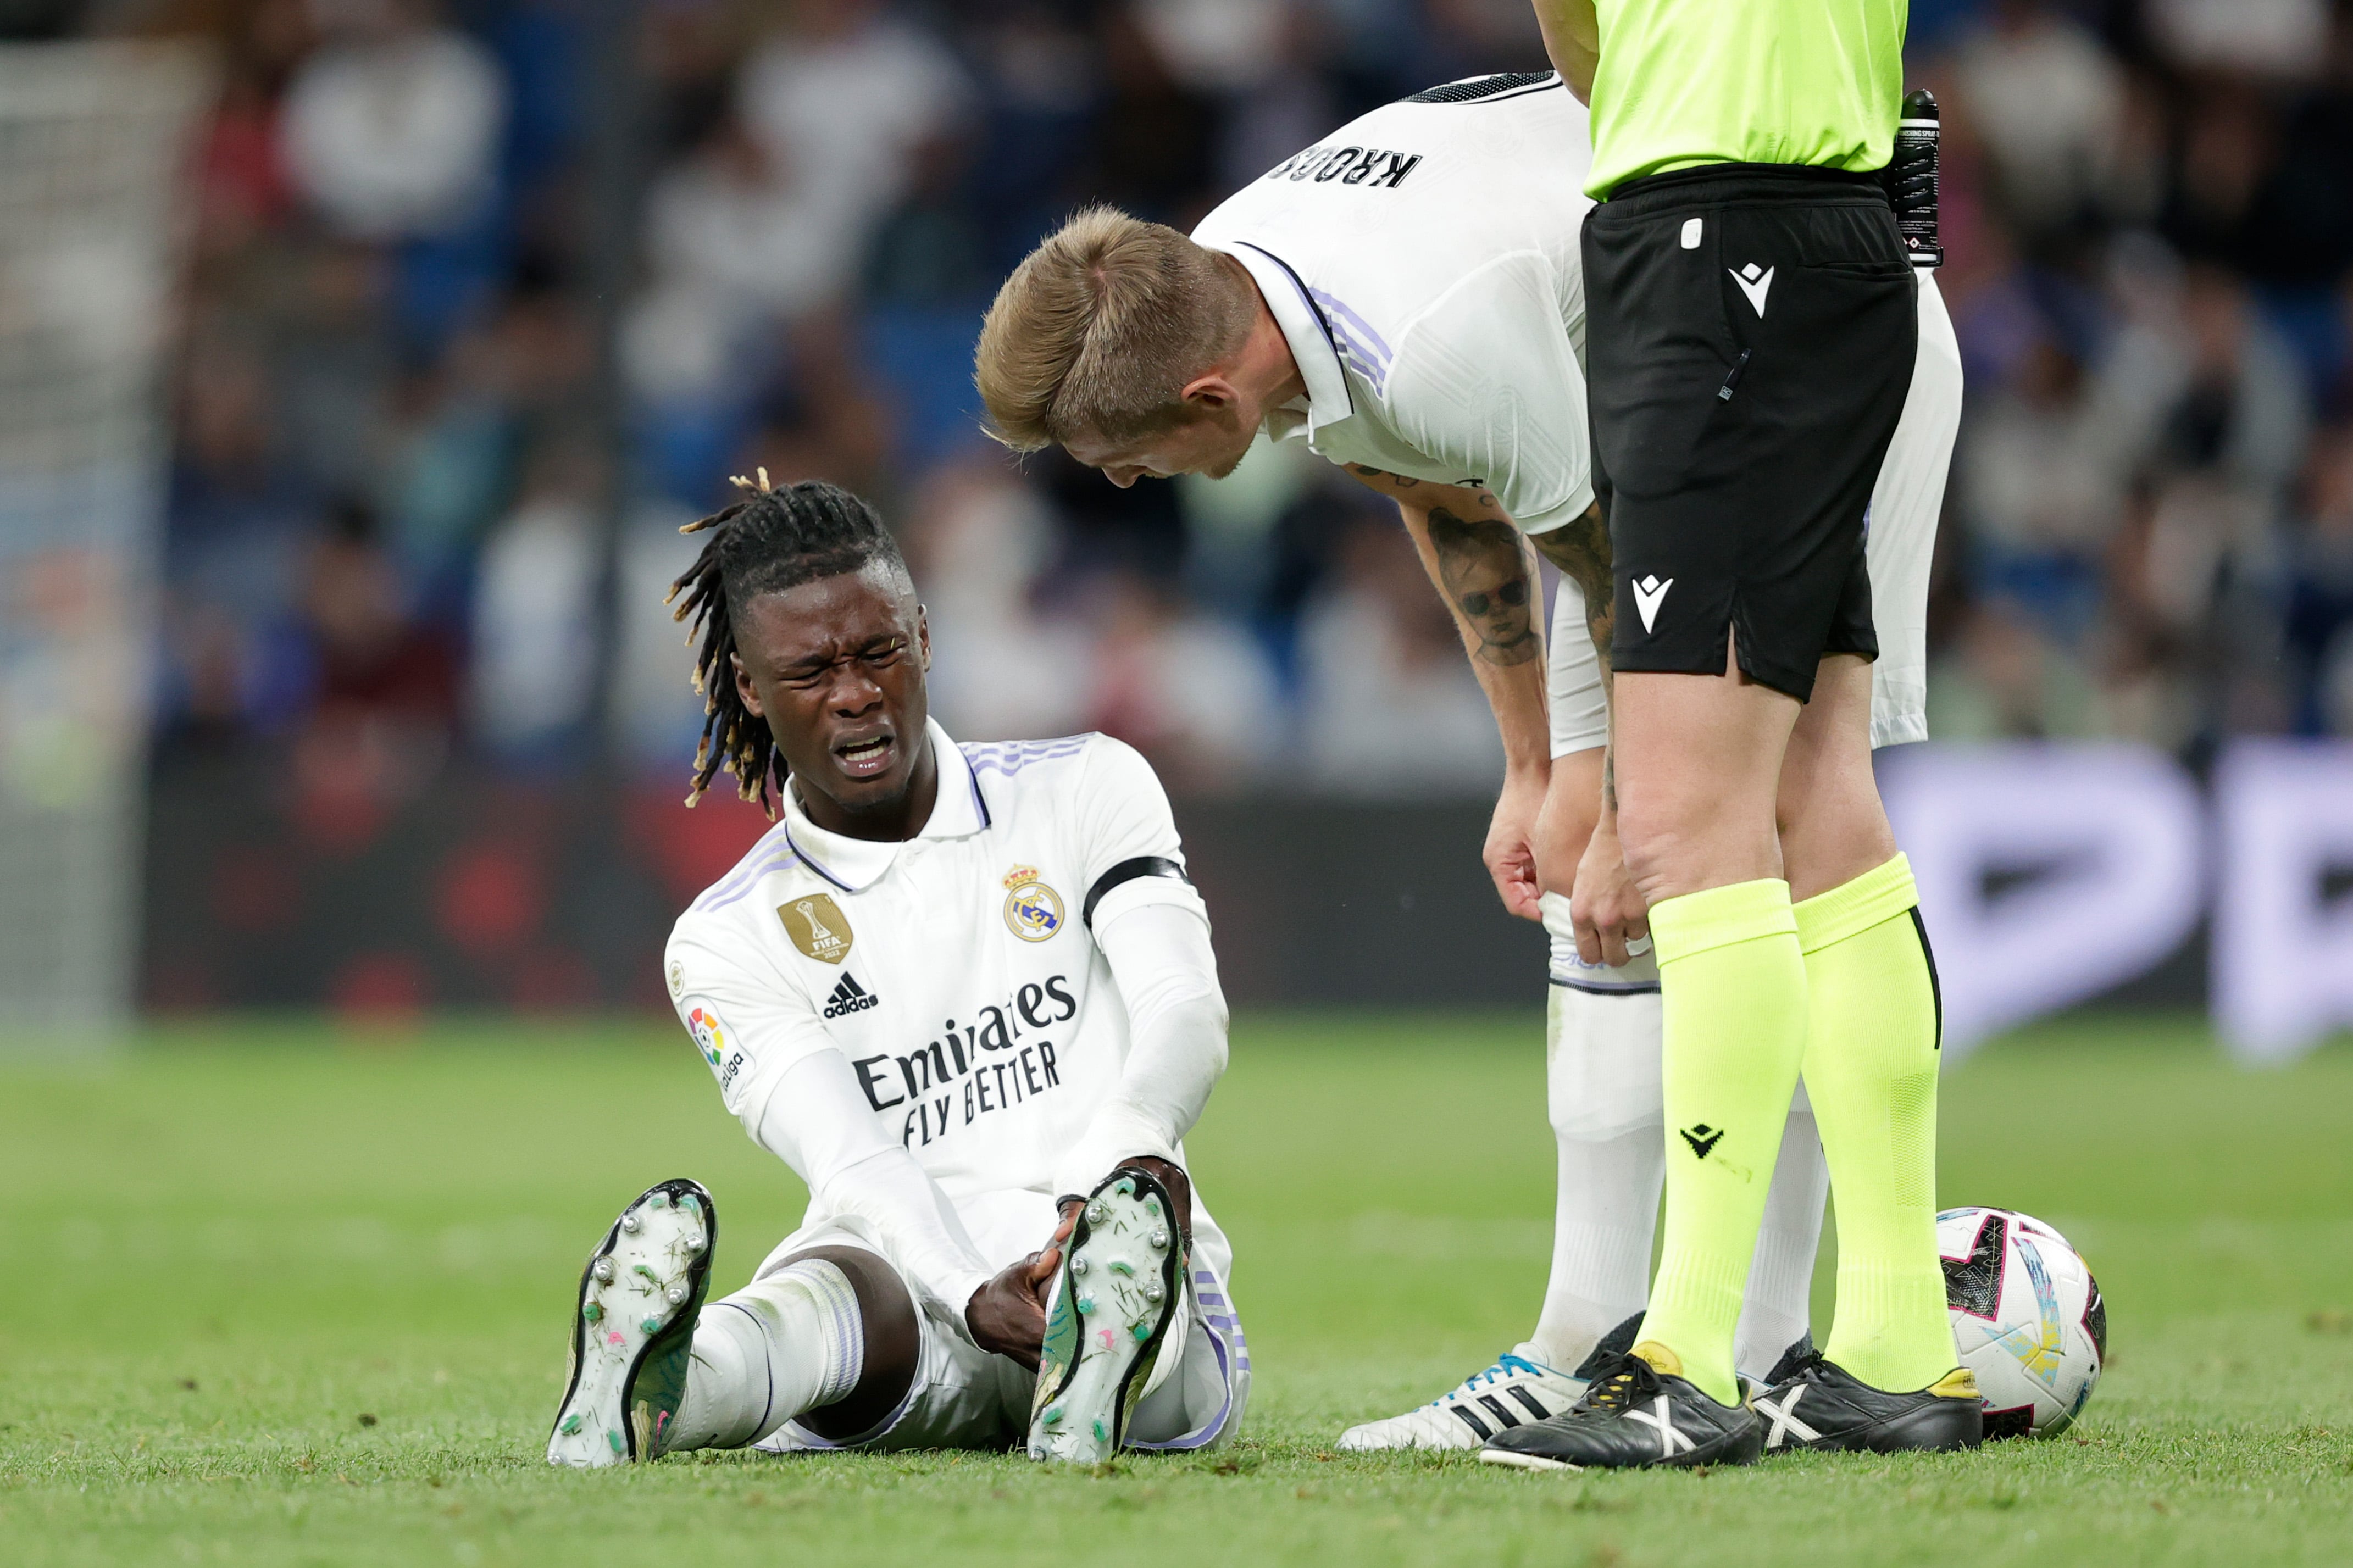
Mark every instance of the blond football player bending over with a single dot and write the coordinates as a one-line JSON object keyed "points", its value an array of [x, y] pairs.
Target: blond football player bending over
{"points": [[966, 992], [1407, 299]]}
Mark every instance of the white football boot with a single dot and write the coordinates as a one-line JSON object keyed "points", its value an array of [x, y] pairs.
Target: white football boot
{"points": [[1120, 1285], [1518, 1388], [633, 1334]]}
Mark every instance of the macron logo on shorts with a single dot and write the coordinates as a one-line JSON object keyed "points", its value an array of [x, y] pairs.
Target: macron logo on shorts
{"points": [[1755, 284], [1649, 594]]}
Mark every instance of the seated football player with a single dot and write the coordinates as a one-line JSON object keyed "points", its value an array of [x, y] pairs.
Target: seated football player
{"points": [[966, 992]]}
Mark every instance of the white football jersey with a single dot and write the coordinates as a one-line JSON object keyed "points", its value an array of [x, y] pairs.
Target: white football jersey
{"points": [[956, 970], [1423, 263]]}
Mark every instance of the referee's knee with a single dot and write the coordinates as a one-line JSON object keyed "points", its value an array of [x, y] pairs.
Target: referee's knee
{"points": [[1675, 846]]}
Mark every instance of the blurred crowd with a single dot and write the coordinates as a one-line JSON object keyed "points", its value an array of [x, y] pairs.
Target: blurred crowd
{"points": [[409, 520]]}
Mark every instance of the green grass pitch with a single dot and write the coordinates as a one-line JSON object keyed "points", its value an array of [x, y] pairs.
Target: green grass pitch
{"points": [[271, 1295]]}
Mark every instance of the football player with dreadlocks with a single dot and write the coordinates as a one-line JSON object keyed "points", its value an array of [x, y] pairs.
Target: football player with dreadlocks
{"points": [[966, 992]]}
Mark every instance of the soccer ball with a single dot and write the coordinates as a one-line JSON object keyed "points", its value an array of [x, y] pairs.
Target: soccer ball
{"points": [[2027, 1319]]}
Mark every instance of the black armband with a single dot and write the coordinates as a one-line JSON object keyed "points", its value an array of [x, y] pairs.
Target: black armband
{"points": [[1128, 871]]}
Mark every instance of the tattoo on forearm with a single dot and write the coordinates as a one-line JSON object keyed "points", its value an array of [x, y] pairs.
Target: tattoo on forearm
{"points": [[1580, 548], [1397, 482], [1485, 570]]}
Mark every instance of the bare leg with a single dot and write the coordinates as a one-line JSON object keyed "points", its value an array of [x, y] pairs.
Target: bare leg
{"points": [[1872, 1056], [887, 1314], [1699, 768], [1834, 827], [1699, 763]]}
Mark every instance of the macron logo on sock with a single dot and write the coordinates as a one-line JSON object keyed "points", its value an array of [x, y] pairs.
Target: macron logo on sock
{"points": [[1648, 595]]}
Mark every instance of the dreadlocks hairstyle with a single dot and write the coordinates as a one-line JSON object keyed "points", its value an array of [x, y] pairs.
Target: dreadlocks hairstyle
{"points": [[772, 540]]}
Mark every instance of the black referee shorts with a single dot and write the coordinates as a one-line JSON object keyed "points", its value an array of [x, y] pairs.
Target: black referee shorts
{"points": [[1750, 330]]}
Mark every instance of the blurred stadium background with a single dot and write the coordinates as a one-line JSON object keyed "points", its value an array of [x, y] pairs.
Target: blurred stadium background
{"points": [[360, 358], [358, 361]]}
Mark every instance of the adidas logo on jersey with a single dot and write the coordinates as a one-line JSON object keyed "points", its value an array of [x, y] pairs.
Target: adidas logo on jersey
{"points": [[849, 998]]}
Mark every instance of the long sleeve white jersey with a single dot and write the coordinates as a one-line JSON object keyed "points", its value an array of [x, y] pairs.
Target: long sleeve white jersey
{"points": [[932, 1033], [1423, 264]]}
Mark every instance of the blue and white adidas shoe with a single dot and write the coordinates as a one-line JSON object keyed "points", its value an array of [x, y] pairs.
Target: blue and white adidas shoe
{"points": [[1517, 1389], [1120, 1285], [633, 1333]]}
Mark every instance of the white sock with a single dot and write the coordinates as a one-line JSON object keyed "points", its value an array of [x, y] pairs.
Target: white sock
{"points": [[1602, 1082], [1781, 1274], [785, 1343]]}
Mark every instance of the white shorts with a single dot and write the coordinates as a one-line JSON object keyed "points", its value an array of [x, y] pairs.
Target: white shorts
{"points": [[1639, 975], [1900, 546], [966, 1397]]}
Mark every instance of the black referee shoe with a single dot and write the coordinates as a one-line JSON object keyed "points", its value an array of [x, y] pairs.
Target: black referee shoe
{"points": [[1634, 1415], [1820, 1404]]}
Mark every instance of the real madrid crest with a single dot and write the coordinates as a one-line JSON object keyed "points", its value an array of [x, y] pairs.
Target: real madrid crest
{"points": [[818, 926], [1033, 911]]}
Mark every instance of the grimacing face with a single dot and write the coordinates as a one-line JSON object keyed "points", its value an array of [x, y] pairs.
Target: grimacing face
{"points": [[836, 666]]}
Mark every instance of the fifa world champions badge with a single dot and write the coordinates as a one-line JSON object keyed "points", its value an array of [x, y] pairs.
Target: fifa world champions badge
{"points": [[1033, 911], [818, 926]]}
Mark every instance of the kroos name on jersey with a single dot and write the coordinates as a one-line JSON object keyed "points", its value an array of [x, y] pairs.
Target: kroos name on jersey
{"points": [[983, 1066], [1350, 165]]}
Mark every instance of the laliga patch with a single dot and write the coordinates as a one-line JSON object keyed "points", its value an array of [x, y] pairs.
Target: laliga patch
{"points": [[713, 1038], [818, 926], [1033, 911]]}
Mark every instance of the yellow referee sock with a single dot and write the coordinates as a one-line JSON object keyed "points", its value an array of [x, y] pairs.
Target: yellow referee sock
{"points": [[1871, 1070], [1732, 988]]}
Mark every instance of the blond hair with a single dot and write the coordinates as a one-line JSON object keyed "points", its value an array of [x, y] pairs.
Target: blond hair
{"points": [[1101, 327]]}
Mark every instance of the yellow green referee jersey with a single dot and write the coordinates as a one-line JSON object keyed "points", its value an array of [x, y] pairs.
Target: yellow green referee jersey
{"points": [[1683, 83]]}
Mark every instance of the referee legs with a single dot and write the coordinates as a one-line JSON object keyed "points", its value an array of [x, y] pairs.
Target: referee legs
{"points": [[1698, 765]]}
